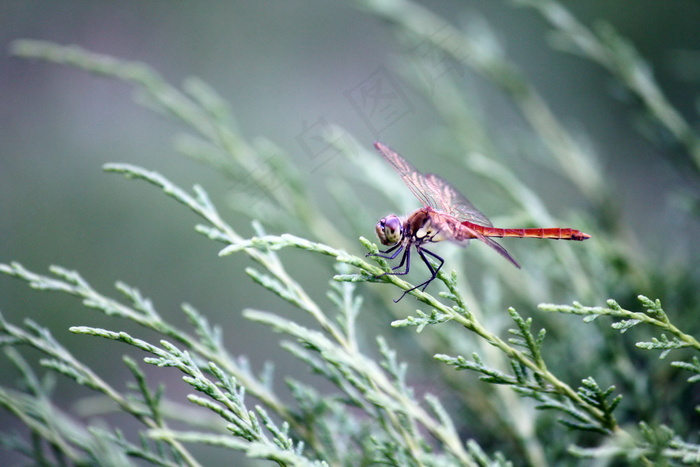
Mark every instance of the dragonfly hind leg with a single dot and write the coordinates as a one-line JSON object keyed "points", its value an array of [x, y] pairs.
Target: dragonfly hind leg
{"points": [[433, 271]]}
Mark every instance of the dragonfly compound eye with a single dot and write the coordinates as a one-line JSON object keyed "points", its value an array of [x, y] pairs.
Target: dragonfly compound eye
{"points": [[389, 230]]}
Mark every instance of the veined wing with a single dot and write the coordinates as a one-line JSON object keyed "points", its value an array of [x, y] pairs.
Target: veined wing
{"points": [[455, 203], [414, 180], [433, 191]]}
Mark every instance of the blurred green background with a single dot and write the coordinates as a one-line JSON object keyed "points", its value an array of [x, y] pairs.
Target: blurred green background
{"points": [[288, 67]]}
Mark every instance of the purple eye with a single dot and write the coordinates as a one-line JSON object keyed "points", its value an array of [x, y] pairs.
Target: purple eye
{"points": [[389, 230]]}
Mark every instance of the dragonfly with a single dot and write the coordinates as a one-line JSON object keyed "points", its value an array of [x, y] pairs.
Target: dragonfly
{"points": [[446, 215]]}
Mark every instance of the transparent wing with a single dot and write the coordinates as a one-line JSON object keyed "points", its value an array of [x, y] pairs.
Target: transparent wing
{"points": [[413, 179], [454, 203], [432, 190]]}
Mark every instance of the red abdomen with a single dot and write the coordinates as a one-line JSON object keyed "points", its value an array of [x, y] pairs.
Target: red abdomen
{"points": [[555, 233]]}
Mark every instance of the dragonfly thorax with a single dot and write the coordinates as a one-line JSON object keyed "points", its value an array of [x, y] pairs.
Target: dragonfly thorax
{"points": [[390, 230], [424, 226]]}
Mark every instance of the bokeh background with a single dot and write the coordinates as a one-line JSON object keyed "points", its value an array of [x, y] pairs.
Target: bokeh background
{"points": [[286, 67]]}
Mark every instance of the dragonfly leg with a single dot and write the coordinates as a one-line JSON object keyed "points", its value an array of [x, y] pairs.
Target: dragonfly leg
{"points": [[385, 254], [433, 271], [406, 258]]}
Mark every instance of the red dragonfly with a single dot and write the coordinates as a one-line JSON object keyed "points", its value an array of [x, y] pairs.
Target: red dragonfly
{"points": [[445, 215]]}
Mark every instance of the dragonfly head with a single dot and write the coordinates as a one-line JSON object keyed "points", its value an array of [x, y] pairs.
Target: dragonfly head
{"points": [[390, 230]]}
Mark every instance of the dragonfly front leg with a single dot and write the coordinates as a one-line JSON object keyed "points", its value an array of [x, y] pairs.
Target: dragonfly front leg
{"points": [[406, 258], [384, 254]]}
